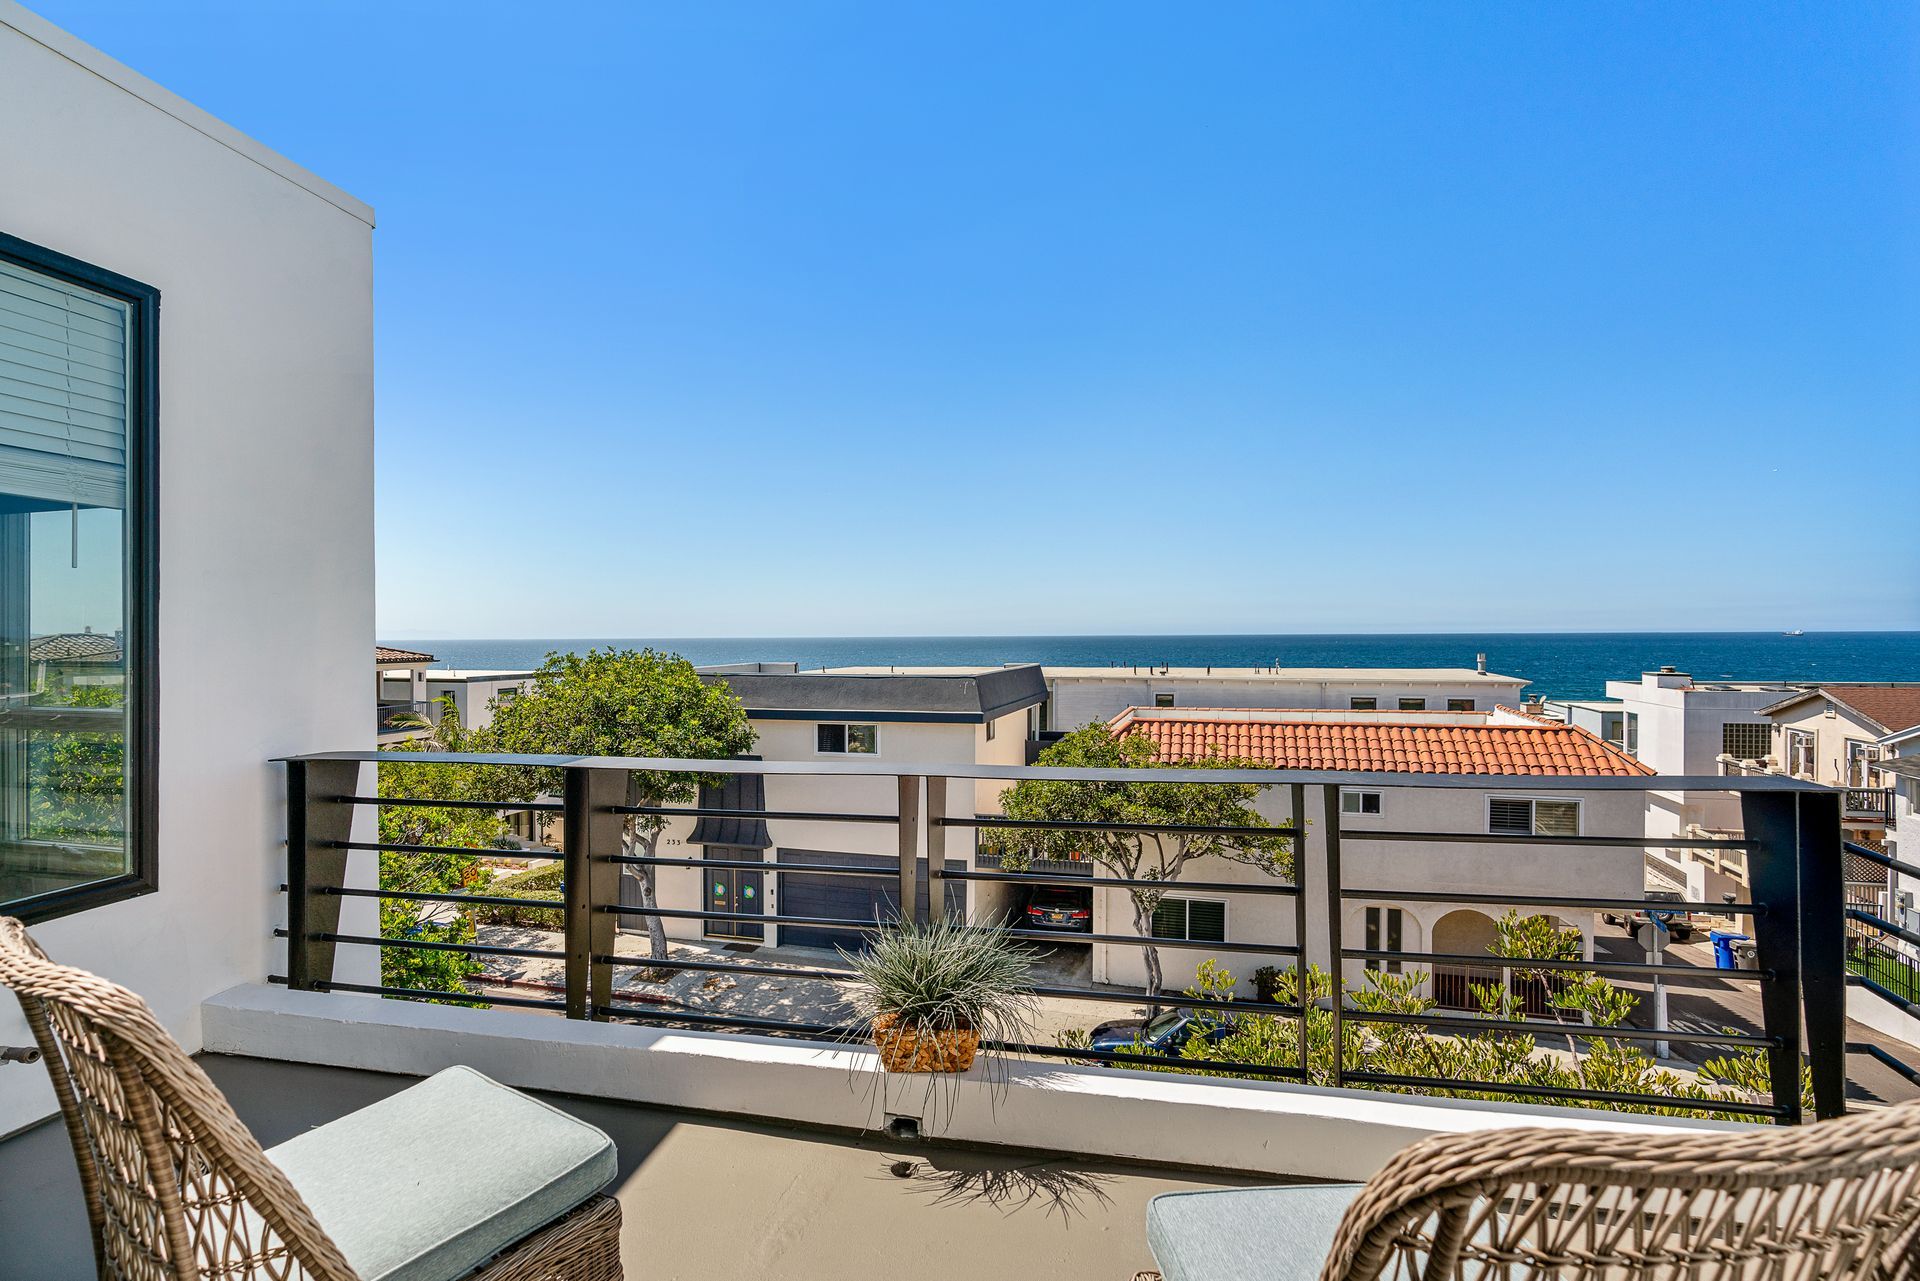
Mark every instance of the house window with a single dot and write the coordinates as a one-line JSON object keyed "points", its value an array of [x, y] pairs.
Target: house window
{"points": [[1413, 704], [77, 527], [1746, 740], [1800, 752], [1357, 802], [853, 740], [1201, 920], [1362, 704], [1459, 704], [1527, 816], [507, 694], [1860, 759], [1611, 728], [1163, 700], [990, 729], [1385, 926], [1633, 733]]}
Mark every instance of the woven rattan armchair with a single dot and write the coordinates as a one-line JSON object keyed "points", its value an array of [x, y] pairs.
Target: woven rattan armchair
{"points": [[178, 1190], [1834, 1201]]}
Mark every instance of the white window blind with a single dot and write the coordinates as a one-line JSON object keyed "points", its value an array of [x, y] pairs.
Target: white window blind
{"points": [[63, 392]]}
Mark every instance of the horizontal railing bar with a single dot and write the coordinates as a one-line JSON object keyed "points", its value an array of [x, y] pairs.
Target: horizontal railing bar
{"points": [[830, 869], [1134, 940], [1118, 882], [694, 811], [699, 914], [1900, 932], [376, 989], [428, 896], [471, 949], [477, 851], [1471, 961], [1884, 1059], [1537, 1027], [1274, 1009], [1884, 860], [1514, 838], [631, 962], [1089, 825], [1153, 774], [1566, 1092], [1553, 900], [417, 802]]}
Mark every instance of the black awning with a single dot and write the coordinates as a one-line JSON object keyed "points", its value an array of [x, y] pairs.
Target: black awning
{"points": [[740, 792]]}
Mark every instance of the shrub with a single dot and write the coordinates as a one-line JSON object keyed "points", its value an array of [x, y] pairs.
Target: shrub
{"points": [[536, 885]]}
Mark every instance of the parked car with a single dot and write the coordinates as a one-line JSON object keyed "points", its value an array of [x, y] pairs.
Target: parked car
{"points": [[1680, 926], [1061, 908], [1166, 1033]]}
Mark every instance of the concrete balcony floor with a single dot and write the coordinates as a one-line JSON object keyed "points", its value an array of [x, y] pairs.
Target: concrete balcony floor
{"points": [[709, 1197]]}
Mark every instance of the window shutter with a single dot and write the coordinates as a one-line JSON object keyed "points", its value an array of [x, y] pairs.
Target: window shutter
{"points": [[63, 392], [1557, 818], [1506, 814], [1207, 920], [1170, 919]]}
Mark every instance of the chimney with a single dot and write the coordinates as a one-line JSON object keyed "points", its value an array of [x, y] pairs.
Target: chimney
{"points": [[1480, 663]]}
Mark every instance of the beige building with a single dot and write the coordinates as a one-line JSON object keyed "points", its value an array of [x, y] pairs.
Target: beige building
{"points": [[1832, 734]]}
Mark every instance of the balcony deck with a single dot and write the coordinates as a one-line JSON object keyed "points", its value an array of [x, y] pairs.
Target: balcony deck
{"points": [[707, 1196]]}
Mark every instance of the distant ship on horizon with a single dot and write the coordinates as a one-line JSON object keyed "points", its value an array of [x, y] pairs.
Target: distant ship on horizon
{"points": [[1798, 631]]}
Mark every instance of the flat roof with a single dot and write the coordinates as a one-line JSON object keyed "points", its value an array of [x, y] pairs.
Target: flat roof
{"points": [[473, 674], [927, 694], [1301, 675]]}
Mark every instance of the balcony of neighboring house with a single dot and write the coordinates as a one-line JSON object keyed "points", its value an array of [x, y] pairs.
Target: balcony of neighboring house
{"points": [[397, 722]]}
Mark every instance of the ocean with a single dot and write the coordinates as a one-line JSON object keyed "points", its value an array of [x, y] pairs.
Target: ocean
{"points": [[1560, 665]]}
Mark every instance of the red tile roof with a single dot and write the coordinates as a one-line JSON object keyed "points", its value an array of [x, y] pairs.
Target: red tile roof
{"points": [[384, 654], [1388, 745]]}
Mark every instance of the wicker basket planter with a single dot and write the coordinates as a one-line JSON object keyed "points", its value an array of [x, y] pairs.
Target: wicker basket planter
{"points": [[905, 1047]]}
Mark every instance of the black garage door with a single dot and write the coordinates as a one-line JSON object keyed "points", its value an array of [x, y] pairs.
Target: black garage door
{"points": [[851, 898]]}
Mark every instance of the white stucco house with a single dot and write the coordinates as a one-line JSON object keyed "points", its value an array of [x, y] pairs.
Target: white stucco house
{"points": [[1406, 750], [186, 460]]}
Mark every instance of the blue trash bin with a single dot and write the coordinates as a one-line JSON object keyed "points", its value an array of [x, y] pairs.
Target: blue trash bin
{"points": [[1723, 941]]}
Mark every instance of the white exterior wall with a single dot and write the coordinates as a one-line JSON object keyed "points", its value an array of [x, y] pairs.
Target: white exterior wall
{"points": [[1466, 867], [266, 493], [472, 698], [1078, 701], [1680, 732]]}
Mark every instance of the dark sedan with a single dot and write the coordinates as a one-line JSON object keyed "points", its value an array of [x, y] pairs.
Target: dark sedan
{"points": [[1166, 1033], [1061, 908]]}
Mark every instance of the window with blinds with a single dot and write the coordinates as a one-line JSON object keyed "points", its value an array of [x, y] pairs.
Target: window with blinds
{"points": [[69, 364], [1202, 920], [1524, 816]]}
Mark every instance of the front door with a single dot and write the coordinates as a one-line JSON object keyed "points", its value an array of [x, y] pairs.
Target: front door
{"points": [[736, 890]]}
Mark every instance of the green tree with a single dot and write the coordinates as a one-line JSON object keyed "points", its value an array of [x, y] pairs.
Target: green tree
{"points": [[622, 703], [77, 778], [1157, 857], [433, 872]]}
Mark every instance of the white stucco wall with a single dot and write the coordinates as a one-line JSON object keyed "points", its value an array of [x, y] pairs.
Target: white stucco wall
{"points": [[266, 491], [1077, 701]]}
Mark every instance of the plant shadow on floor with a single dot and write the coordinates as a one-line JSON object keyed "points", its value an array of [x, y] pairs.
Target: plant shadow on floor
{"points": [[952, 1180]]}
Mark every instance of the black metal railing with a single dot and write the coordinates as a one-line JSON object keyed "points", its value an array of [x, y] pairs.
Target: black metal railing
{"points": [[394, 718], [1792, 840], [1874, 804]]}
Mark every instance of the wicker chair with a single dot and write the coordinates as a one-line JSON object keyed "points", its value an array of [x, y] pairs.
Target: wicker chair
{"points": [[177, 1188], [1835, 1201]]}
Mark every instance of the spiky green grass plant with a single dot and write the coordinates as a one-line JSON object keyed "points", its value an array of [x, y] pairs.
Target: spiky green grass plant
{"points": [[946, 976]]}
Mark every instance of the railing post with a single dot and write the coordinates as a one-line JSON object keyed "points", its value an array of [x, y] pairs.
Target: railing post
{"points": [[1771, 821], [910, 852], [319, 823], [1297, 793], [937, 847], [1823, 948], [1330, 803], [590, 835]]}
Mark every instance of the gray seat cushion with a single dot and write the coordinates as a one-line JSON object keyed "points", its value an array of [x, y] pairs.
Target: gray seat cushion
{"points": [[1247, 1234], [432, 1182]]}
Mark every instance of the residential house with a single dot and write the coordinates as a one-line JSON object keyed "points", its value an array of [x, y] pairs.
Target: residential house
{"points": [[882, 715], [473, 693], [400, 693], [1080, 696], [1474, 751], [1831, 733]]}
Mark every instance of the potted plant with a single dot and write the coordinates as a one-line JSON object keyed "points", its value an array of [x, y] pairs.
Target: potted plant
{"points": [[930, 992]]}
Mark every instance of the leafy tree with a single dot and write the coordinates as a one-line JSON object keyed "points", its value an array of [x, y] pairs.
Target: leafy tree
{"points": [[622, 703], [1158, 857], [76, 779], [433, 872]]}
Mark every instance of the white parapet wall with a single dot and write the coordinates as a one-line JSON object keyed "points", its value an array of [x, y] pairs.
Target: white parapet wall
{"points": [[1278, 1129], [1882, 1016]]}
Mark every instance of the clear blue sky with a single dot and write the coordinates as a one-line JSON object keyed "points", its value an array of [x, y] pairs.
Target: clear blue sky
{"points": [[723, 319]]}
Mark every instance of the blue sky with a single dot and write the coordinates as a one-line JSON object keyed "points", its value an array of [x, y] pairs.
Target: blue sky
{"points": [[842, 319]]}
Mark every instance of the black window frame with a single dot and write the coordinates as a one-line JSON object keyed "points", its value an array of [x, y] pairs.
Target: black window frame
{"points": [[142, 587], [1413, 703], [1362, 703], [1461, 705]]}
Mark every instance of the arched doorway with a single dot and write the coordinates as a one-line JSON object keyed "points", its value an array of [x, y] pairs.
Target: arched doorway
{"points": [[1463, 933]]}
